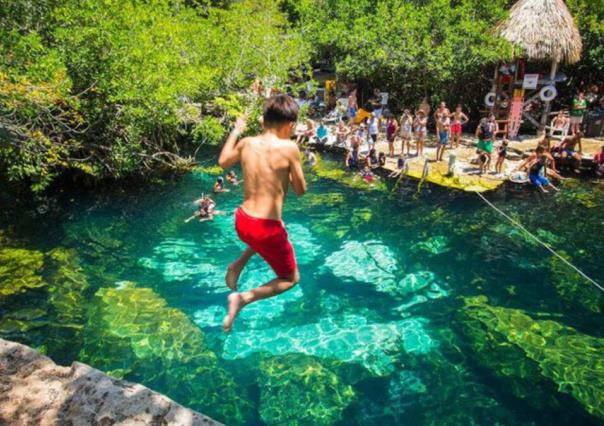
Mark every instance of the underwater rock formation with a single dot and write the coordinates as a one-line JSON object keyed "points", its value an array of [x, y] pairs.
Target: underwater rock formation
{"points": [[536, 356], [572, 287], [20, 271], [132, 333], [433, 245], [67, 299], [366, 262], [37, 391], [300, 389], [350, 338]]}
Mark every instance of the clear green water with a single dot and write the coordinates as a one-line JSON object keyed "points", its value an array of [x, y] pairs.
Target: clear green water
{"points": [[412, 309]]}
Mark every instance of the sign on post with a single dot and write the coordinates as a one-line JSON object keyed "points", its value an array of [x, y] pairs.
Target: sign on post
{"points": [[531, 81]]}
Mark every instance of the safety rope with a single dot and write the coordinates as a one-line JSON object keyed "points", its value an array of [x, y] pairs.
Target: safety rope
{"points": [[519, 225]]}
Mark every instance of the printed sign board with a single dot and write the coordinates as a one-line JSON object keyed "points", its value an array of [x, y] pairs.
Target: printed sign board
{"points": [[531, 81]]}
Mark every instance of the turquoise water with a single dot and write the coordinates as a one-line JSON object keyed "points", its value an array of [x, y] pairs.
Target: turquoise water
{"points": [[413, 308]]}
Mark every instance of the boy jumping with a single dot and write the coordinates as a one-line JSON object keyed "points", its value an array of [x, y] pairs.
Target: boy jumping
{"points": [[270, 162]]}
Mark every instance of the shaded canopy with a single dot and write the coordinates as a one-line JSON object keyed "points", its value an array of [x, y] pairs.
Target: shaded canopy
{"points": [[543, 30]]}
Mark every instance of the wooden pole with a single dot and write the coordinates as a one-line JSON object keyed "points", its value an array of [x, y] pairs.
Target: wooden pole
{"points": [[548, 105]]}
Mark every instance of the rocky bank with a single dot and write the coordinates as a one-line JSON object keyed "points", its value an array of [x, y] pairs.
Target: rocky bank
{"points": [[34, 390]]}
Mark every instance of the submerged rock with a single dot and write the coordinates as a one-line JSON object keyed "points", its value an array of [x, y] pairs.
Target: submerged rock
{"points": [[37, 391], [537, 358], [134, 334], [574, 288], [20, 271], [67, 298], [433, 245], [300, 389], [350, 338], [368, 262]]}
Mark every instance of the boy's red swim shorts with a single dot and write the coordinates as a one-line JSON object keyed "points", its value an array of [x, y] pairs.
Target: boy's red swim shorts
{"points": [[268, 238]]}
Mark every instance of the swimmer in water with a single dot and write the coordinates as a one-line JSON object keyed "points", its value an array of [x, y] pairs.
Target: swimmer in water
{"points": [[219, 186]]}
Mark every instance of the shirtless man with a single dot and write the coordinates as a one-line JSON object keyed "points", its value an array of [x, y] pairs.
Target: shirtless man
{"points": [[568, 150], [270, 162]]}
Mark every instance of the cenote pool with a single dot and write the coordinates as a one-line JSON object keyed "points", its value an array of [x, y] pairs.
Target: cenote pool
{"points": [[414, 308]]}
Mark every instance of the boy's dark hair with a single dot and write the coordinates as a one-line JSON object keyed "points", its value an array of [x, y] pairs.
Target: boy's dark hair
{"points": [[539, 149], [279, 110]]}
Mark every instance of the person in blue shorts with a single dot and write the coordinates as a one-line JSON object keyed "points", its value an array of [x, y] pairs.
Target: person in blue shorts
{"points": [[537, 172]]}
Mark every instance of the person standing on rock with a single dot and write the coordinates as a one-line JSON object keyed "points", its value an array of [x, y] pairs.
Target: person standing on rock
{"points": [[270, 163]]}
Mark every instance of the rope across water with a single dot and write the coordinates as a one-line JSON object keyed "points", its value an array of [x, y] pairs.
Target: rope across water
{"points": [[520, 226]]}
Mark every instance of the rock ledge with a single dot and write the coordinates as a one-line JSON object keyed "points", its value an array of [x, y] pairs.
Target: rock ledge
{"points": [[34, 390]]}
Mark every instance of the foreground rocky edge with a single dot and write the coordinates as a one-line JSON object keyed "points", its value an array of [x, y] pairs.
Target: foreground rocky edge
{"points": [[34, 390]]}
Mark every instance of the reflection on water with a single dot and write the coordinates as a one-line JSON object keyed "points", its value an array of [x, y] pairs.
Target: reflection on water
{"points": [[414, 308]]}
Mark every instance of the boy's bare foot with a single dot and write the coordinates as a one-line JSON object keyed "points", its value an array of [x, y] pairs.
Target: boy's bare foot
{"points": [[235, 303], [232, 276]]}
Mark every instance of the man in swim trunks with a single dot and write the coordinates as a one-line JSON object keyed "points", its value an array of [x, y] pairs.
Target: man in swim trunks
{"points": [[270, 163], [485, 132], [568, 150], [443, 125]]}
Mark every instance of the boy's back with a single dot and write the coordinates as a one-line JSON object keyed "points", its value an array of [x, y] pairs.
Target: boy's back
{"points": [[267, 163]]}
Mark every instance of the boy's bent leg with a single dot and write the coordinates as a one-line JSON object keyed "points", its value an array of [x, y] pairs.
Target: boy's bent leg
{"points": [[236, 301], [235, 268]]}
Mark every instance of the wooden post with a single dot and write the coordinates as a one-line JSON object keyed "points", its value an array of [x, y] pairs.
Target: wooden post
{"points": [[548, 105]]}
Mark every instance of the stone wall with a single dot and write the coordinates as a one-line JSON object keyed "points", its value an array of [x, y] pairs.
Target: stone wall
{"points": [[34, 390]]}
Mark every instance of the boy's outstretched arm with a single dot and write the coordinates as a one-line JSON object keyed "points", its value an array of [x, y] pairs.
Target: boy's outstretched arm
{"points": [[230, 153], [296, 173]]}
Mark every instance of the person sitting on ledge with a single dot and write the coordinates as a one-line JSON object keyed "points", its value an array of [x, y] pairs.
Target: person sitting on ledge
{"points": [[372, 160], [352, 158], [568, 150], [537, 172], [400, 167], [322, 133]]}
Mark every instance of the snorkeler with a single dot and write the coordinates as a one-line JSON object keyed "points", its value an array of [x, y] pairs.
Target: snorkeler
{"points": [[219, 186], [270, 162]]}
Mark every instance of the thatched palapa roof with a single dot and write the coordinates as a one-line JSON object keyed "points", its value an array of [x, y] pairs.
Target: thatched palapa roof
{"points": [[543, 30]]}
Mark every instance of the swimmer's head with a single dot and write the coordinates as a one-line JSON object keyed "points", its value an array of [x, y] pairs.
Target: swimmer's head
{"points": [[220, 179]]}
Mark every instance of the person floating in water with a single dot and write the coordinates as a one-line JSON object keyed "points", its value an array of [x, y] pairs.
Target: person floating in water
{"points": [[219, 186], [205, 211], [270, 163], [232, 178]]}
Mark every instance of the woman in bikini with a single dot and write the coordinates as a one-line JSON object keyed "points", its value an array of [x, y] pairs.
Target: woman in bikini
{"points": [[420, 125]]}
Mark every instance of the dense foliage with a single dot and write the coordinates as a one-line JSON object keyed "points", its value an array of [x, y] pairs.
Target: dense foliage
{"points": [[413, 48], [113, 88], [110, 87]]}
